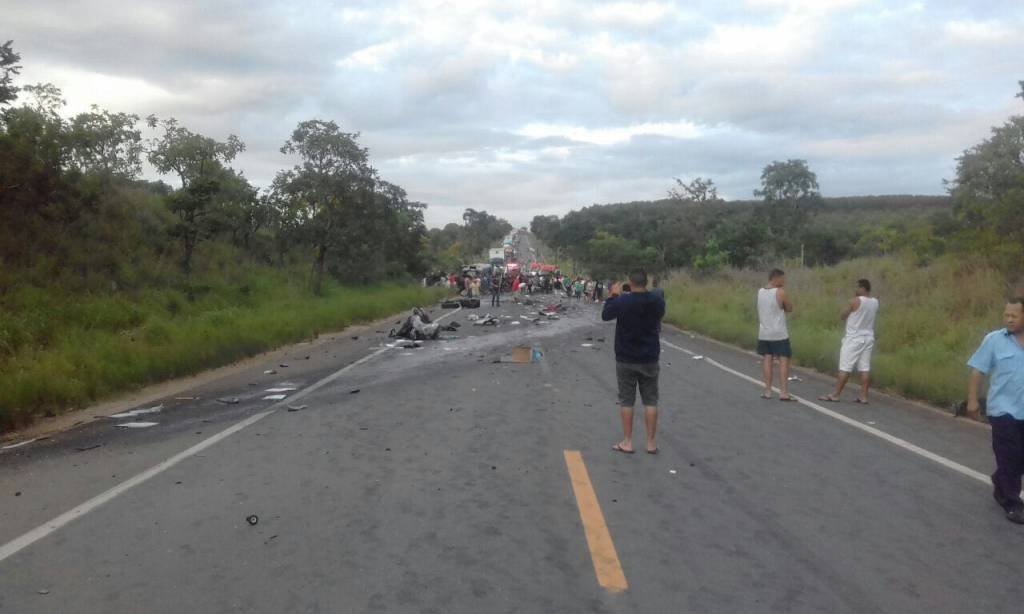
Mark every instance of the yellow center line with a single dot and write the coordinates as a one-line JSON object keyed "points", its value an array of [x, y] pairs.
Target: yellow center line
{"points": [[602, 550]]}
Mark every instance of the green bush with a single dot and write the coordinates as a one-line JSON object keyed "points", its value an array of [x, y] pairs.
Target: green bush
{"points": [[930, 321], [59, 350]]}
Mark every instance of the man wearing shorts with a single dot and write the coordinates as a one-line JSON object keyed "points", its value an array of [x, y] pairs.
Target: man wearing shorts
{"points": [[859, 342], [773, 334], [637, 318], [1001, 358]]}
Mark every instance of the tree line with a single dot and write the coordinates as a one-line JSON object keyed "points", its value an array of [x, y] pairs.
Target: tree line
{"points": [[77, 210], [790, 220]]}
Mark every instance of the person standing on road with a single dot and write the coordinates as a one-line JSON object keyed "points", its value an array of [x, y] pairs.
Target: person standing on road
{"points": [[637, 316], [773, 334], [859, 342], [515, 289], [1001, 358], [496, 292]]}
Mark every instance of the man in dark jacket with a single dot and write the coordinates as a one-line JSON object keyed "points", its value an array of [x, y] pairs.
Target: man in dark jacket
{"points": [[637, 318]]}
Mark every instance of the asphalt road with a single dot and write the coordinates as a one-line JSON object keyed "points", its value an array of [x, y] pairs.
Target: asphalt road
{"points": [[436, 480]]}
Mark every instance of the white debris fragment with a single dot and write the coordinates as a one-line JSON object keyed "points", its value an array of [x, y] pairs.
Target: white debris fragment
{"points": [[136, 425], [698, 357], [586, 345], [274, 397], [794, 378], [281, 389], [137, 412], [672, 471]]}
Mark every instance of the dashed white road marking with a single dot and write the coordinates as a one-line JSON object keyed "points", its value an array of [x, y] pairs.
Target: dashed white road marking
{"points": [[19, 543], [896, 441]]}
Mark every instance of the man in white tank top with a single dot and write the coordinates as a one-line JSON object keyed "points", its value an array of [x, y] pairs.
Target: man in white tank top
{"points": [[858, 343], [773, 333]]}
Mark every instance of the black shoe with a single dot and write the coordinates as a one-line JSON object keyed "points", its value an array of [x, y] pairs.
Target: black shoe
{"points": [[1016, 515], [998, 496]]}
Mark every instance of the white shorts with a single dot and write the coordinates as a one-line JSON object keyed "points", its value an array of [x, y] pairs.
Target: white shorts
{"points": [[855, 354]]}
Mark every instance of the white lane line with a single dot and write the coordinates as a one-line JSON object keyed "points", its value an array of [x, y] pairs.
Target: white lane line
{"points": [[450, 313], [902, 443], [19, 444], [12, 547]]}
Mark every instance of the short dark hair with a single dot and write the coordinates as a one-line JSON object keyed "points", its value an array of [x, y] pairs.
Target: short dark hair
{"points": [[625, 288], [1016, 300], [638, 277], [863, 283], [776, 273]]}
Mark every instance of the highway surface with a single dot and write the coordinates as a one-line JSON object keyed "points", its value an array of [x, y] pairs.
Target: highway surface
{"points": [[439, 480]]}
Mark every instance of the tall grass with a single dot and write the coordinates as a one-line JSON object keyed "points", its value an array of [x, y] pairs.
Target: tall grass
{"points": [[930, 321], [59, 350]]}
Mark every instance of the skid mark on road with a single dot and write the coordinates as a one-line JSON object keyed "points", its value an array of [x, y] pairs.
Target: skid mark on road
{"points": [[896, 441], [14, 546], [599, 540]]}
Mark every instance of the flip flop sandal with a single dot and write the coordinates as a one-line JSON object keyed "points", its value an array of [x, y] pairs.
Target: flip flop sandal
{"points": [[619, 448], [787, 399], [828, 399], [654, 451], [766, 396], [860, 401]]}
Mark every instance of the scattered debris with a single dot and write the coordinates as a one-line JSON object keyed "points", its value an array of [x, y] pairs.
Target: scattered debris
{"points": [[228, 400], [43, 591], [186, 398], [137, 412], [417, 326], [522, 355], [17, 494], [281, 389], [794, 378], [136, 425], [270, 538], [586, 345], [252, 519], [407, 343], [283, 365], [355, 337], [274, 397], [297, 407], [270, 372], [89, 447], [698, 357], [672, 471]]}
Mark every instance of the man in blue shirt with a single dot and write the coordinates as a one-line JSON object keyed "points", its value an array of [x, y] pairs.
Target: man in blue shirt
{"points": [[1001, 357], [637, 316]]}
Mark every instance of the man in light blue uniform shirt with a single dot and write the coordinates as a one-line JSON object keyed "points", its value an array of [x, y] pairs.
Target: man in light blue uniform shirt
{"points": [[1001, 357]]}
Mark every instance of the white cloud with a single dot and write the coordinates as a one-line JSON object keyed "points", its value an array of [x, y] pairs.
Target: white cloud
{"points": [[611, 135], [980, 32], [558, 103]]}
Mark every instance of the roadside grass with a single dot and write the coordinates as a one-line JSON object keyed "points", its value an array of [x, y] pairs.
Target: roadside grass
{"points": [[59, 350], [931, 318]]}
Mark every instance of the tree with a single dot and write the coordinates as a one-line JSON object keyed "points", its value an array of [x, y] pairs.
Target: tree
{"points": [[9, 67], [988, 193], [106, 143], [328, 187], [790, 193], [700, 191], [198, 161], [480, 231]]}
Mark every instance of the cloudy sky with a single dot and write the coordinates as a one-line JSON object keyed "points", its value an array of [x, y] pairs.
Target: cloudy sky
{"points": [[539, 107]]}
